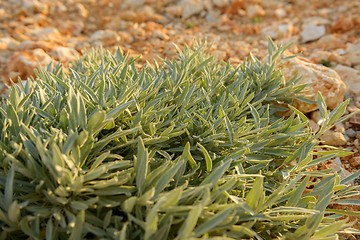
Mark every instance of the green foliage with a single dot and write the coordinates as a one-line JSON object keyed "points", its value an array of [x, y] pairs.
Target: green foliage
{"points": [[187, 150]]}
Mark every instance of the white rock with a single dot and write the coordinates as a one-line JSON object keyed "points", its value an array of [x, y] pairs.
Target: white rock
{"points": [[191, 7], [278, 31], [312, 32], [104, 37], [254, 10], [340, 127], [337, 167], [314, 126], [134, 3], [33, 6], [333, 138], [23, 63], [65, 54], [220, 3], [46, 34], [318, 78], [353, 53], [280, 12], [9, 43], [351, 77]]}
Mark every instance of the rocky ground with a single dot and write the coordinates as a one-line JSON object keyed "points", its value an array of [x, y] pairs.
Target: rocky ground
{"points": [[325, 33]]}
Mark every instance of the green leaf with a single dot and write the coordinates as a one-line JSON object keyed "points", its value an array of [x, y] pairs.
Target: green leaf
{"points": [[77, 231], [141, 165], [255, 197]]}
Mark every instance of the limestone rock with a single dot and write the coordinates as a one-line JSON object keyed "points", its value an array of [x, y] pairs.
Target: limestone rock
{"points": [[333, 138], [312, 32], [8, 43], [46, 34], [191, 7], [278, 31], [330, 42], [65, 54], [23, 63], [104, 38], [319, 79], [337, 167], [254, 10], [353, 53], [221, 3], [351, 77]]}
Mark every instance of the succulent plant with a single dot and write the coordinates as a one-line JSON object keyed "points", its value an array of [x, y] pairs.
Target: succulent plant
{"points": [[188, 149]]}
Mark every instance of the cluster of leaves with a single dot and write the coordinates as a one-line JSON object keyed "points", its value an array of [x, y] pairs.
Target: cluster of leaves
{"points": [[187, 150]]}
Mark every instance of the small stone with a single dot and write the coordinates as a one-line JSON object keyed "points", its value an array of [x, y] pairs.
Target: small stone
{"points": [[355, 161], [221, 3], [330, 42], [316, 117], [340, 127], [319, 79], [356, 142], [333, 138], [353, 53], [314, 126], [23, 63], [104, 38], [160, 34], [351, 77], [133, 3], [254, 10], [83, 12], [65, 54], [9, 43], [31, 7], [219, 54], [46, 34], [278, 31], [174, 11], [312, 32], [191, 7], [350, 132], [337, 167], [280, 13]]}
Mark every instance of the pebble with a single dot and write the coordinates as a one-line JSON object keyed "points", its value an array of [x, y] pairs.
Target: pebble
{"points": [[191, 7], [30, 7], [254, 10], [278, 31], [312, 32], [330, 42], [340, 127], [65, 54], [9, 43], [350, 132], [318, 78], [355, 161], [104, 38], [81, 9], [336, 166], [280, 12], [160, 34], [333, 138], [133, 3], [22, 63], [174, 11], [350, 76], [221, 3], [50, 34], [314, 126], [353, 53]]}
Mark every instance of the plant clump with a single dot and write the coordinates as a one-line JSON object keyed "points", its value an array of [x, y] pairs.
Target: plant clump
{"points": [[191, 149]]}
